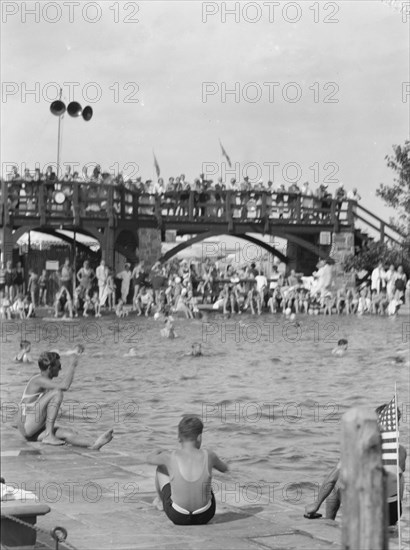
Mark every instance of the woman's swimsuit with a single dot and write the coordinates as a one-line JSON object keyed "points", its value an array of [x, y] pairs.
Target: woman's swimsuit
{"points": [[27, 408], [85, 277], [19, 279], [9, 278]]}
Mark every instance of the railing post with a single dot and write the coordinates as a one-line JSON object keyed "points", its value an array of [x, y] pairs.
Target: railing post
{"points": [[263, 205], [158, 210], [42, 202], [191, 206], [228, 209], [135, 205], [76, 201], [5, 199], [333, 217], [110, 205], [350, 217], [382, 231], [363, 483], [122, 203], [298, 208]]}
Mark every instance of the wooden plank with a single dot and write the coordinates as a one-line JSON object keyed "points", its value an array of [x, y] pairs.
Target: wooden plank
{"points": [[363, 483]]}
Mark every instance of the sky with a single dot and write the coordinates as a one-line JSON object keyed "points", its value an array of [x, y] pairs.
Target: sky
{"points": [[155, 74]]}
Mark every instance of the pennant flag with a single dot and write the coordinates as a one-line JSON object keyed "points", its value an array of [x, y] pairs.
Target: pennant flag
{"points": [[390, 434], [225, 154], [157, 169]]}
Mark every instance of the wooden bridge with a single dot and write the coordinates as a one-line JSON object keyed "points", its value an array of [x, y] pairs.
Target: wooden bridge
{"points": [[134, 223]]}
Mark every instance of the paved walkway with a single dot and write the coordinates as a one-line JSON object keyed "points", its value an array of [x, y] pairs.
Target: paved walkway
{"points": [[104, 499]]}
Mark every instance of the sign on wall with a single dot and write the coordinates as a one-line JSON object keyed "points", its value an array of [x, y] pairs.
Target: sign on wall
{"points": [[52, 265]]}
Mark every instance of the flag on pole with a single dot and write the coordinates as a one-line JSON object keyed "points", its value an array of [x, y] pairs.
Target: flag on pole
{"points": [[225, 154], [157, 169], [390, 434]]}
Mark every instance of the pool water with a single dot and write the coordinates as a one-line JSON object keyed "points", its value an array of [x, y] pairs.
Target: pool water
{"points": [[270, 393]]}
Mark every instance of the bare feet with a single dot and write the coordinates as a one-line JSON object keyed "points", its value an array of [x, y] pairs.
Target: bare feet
{"points": [[157, 502], [52, 440], [103, 440]]}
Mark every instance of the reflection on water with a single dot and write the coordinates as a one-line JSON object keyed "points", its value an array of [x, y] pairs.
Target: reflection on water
{"points": [[270, 393]]}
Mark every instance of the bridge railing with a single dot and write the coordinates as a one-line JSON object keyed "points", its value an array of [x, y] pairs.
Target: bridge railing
{"points": [[384, 231], [78, 200], [226, 206]]}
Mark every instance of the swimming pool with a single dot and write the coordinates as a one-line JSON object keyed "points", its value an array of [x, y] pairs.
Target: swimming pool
{"points": [[270, 392]]}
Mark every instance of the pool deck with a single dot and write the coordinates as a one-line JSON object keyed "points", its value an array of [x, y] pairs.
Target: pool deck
{"points": [[123, 517]]}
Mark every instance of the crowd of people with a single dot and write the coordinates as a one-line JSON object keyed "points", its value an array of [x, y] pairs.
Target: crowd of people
{"points": [[183, 288], [282, 199]]}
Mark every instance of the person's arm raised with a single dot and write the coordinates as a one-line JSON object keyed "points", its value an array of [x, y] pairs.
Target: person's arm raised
{"points": [[66, 382], [68, 378]]}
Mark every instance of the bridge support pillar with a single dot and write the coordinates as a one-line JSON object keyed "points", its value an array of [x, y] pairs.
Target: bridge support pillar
{"points": [[300, 259], [108, 246], [7, 243], [149, 245], [342, 246]]}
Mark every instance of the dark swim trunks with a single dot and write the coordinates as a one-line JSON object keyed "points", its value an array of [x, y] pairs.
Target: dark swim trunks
{"points": [[185, 519], [393, 516]]}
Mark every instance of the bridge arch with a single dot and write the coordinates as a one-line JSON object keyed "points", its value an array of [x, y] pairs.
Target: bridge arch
{"points": [[18, 233], [294, 239], [202, 236], [54, 232]]}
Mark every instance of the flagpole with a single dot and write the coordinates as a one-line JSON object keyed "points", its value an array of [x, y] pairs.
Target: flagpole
{"points": [[397, 465], [220, 144]]}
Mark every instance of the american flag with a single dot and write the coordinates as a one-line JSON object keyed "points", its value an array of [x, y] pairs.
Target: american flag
{"points": [[225, 154], [390, 433]]}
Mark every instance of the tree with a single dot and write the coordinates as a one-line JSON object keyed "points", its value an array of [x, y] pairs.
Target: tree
{"points": [[398, 195], [369, 257]]}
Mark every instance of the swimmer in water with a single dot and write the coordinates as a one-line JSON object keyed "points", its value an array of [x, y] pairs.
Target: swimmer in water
{"points": [[23, 355], [41, 402], [132, 352], [195, 352], [168, 331], [341, 348]]}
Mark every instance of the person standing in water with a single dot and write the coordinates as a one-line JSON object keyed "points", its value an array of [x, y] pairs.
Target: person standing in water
{"points": [[125, 277], [86, 276]]}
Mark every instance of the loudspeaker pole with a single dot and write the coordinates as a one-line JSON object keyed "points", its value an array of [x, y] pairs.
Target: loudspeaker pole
{"points": [[59, 139]]}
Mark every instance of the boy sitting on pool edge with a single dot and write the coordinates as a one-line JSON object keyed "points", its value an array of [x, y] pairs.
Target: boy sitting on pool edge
{"points": [[183, 478]]}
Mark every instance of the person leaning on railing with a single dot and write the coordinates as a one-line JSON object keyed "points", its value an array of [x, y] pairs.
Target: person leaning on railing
{"points": [[293, 193], [353, 195], [50, 181], [14, 189], [340, 196], [324, 199]]}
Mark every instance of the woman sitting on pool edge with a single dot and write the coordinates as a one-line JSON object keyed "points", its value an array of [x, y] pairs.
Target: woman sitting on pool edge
{"points": [[41, 402], [183, 478]]}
